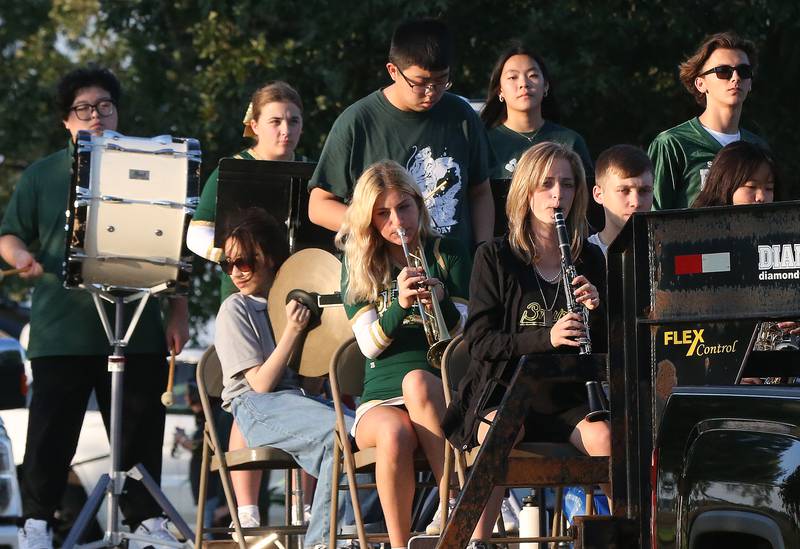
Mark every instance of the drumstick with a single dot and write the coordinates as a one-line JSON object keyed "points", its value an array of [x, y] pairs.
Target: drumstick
{"points": [[11, 272], [166, 397]]}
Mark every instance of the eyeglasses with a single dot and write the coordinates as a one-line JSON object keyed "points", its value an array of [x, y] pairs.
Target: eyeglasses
{"points": [[244, 265], [104, 108], [422, 89], [725, 72]]}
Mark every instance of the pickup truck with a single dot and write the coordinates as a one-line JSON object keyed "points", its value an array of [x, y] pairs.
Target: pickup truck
{"points": [[727, 463], [698, 460]]}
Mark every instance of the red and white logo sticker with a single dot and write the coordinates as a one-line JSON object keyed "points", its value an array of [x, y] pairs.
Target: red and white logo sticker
{"points": [[702, 263]]}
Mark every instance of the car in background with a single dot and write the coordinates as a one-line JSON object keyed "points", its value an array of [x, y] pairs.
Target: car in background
{"points": [[92, 457], [12, 394]]}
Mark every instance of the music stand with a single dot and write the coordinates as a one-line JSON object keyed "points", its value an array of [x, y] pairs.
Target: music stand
{"points": [[280, 188], [113, 178]]}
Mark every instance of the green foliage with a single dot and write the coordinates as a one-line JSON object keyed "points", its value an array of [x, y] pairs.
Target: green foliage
{"points": [[189, 66]]}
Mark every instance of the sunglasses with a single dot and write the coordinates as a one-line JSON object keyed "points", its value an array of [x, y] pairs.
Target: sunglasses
{"points": [[725, 72], [244, 265]]}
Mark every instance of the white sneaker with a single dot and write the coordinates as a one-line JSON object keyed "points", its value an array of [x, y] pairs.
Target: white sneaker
{"points": [[435, 527], [246, 520], [35, 534], [156, 528]]}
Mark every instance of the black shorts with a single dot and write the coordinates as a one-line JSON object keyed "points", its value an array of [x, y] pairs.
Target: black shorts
{"points": [[553, 427]]}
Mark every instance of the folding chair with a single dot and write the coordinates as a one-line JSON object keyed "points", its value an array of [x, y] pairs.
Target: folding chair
{"points": [[346, 377], [543, 460], [209, 385]]}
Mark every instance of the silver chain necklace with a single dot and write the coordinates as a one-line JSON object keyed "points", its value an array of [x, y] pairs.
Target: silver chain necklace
{"points": [[551, 280], [548, 309]]}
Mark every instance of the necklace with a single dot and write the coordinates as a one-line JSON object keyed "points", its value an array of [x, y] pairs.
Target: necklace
{"points": [[551, 280], [548, 309]]}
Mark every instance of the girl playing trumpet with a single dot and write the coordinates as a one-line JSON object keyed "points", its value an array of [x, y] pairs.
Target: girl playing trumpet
{"points": [[403, 401], [518, 306]]}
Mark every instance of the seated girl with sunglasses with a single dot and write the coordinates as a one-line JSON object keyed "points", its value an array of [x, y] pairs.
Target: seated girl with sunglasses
{"points": [[719, 75], [261, 392], [402, 403]]}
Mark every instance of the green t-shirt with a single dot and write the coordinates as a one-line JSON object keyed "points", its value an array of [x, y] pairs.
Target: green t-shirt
{"points": [[681, 159], [444, 149], [506, 146], [207, 211], [449, 261], [65, 322]]}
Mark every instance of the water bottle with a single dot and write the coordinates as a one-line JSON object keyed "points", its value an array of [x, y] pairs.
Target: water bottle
{"points": [[529, 521]]}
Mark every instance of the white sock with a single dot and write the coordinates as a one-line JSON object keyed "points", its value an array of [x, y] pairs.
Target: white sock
{"points": [[251, 510]]}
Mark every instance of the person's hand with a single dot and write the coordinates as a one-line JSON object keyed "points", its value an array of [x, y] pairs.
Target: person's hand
{"points": [[751, 381], [433, 285], [23, 259], [297, 316], [408, 282], [177, 331], [791, 326], [586, 292], [567, 330]]}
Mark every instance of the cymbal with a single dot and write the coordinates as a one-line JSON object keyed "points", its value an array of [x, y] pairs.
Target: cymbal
{"points": [[318, 271]]}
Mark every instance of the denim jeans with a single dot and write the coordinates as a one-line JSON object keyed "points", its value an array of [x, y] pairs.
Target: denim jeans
{"points": [[299, 425]]}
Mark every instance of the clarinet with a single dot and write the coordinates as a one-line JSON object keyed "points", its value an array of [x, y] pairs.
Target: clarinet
{"points": [[568, 274]]}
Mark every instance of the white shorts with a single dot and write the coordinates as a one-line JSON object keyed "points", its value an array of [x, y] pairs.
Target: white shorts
{"points": [[365, 407]]}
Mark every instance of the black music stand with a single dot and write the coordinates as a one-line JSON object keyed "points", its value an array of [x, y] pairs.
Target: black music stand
{"points": [[112, 483], [278, 187]]}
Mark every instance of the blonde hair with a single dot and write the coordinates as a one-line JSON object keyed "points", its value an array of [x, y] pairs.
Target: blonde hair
{"points": [[366, 253], [529, 175]]}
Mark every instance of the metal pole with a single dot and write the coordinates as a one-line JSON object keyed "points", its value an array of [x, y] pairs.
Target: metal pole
{"points": [[116, 365]]}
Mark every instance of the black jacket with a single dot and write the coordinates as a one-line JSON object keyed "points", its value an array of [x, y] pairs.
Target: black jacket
{"points": [[499, 288]]}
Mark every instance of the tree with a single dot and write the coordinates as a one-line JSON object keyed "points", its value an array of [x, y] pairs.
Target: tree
{"points": [[188, 67]]}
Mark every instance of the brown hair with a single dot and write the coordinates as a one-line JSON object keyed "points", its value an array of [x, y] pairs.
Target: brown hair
{"points": [[529, 175], [692, 67], [256, 230], [494, 111], [271, 92], [733, 166], [623, 161]]}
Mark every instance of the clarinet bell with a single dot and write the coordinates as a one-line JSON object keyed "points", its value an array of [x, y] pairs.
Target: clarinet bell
{"points": [[598, 403]]}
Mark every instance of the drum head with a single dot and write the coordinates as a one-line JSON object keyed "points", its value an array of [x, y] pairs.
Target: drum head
{"points": [[318, 271]]}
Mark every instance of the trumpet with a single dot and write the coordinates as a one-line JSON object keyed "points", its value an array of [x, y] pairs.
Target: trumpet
{"points": [[568, 274], [433, 323]]}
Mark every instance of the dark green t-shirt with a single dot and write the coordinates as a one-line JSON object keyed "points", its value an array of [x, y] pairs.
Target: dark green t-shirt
{"points": [[681, 159], [506, 146], [207, 211], [64, 322], [448, 261], [444, 149]]}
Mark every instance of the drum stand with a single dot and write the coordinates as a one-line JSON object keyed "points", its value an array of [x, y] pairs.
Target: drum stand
{"points": [[110, 485]]}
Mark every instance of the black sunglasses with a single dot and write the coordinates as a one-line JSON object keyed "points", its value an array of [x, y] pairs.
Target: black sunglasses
{"points": [[244, 265], [725, 72]]}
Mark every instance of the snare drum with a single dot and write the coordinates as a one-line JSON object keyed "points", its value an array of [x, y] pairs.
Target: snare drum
{"points": [[129, 207]]}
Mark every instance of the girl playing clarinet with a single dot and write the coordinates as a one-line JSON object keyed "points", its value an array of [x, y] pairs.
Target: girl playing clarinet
{"points": [[518, 306]]}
